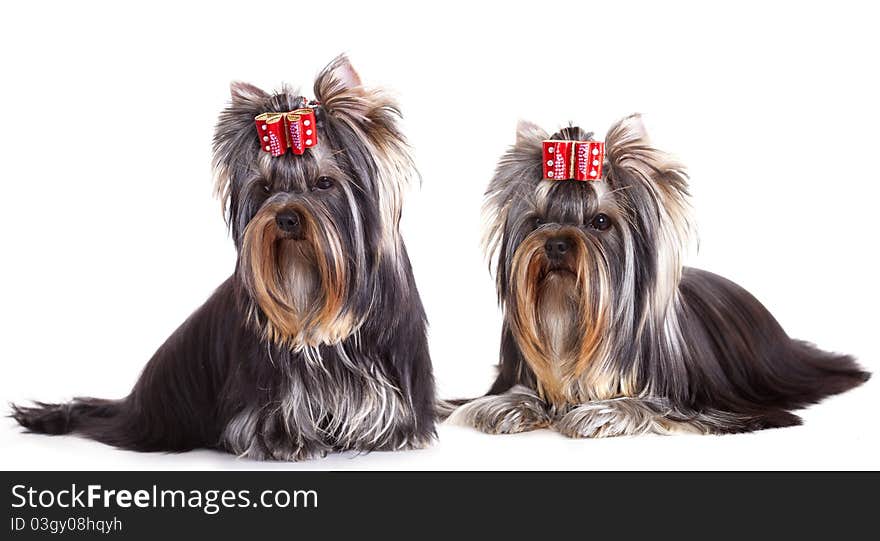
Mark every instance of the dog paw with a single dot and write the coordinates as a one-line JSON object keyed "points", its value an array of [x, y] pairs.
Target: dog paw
{"points": [[594, 420], [506, 415], [512, 421]]}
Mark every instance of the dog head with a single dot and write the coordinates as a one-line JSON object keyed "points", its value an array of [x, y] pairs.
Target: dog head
{"points": [[311, 229], [583, 266]]}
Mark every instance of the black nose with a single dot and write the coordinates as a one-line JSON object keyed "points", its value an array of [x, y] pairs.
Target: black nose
{"points": [[288, 221], [556, 247]]}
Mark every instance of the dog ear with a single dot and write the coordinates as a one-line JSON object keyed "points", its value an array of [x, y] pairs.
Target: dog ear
{"points": [[528, 134], [338, 76], [246, 92], [519, 169], [629, 150], [337, 82], [633, 158], [627, 131]]}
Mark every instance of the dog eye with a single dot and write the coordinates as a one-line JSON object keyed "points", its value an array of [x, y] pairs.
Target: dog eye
{"points": [[324, 183], [601, 222], [538, 221]]}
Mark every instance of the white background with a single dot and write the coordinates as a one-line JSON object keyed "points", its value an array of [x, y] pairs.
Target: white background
{"points": [[111, 236]]}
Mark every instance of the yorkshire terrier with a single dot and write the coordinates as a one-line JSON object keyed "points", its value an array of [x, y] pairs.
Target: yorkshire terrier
{"points": [[317, 343], [605, 332]]}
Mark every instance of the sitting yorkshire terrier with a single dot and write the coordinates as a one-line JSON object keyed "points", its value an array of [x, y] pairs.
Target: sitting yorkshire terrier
{"points": [[317, 342], [605, 333]]}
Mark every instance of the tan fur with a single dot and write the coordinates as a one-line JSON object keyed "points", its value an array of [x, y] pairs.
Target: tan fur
{"points": [[293, 316], [566, 372]]}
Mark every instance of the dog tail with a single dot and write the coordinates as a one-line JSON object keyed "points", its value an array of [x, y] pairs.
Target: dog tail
{"points": [[94, 418], [819, 374]]}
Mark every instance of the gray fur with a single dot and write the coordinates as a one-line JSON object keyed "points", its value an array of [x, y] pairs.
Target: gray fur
{"points": [[355, 407]]}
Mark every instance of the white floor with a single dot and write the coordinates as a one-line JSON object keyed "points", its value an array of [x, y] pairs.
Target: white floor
{"points": [[838, 434]]}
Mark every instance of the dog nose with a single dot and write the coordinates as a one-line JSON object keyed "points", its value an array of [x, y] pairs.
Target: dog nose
{"points": [[288, 221], [556, 247]]}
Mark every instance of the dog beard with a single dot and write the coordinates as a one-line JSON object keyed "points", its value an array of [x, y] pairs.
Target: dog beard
{"points": [[299, 284], [559, 312]]}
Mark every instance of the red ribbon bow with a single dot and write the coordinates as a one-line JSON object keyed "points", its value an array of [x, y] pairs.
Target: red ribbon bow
{"points": [[295, 130], [578, 160]]}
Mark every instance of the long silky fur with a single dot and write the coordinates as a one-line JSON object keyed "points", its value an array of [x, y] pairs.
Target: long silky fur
{"points": [[657, 347], [316, 343]]}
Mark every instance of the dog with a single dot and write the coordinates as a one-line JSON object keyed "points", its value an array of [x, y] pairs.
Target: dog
{"points": [[605, 332], [317, 343]]}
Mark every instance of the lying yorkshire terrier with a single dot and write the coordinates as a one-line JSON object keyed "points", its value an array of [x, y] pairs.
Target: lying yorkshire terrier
{"points": [[317, 342], [605, 333]]}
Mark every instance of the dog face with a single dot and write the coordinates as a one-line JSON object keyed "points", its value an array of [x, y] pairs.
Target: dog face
{"points": [[583, 267], [310, 229]]}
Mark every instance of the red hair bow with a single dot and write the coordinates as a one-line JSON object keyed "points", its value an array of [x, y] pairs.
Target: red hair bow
{"points": [[279, 131], [578, 160]]}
